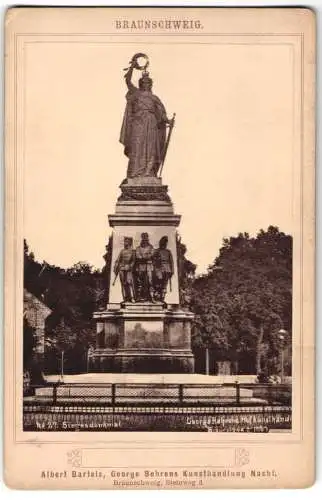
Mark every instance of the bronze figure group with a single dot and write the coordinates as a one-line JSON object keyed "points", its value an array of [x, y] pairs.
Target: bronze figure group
{"points": [[144, 272]]}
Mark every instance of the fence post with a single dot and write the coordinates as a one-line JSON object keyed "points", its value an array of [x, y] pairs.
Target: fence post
{"points": [[237, 392], [113, 394], [269, 394], [55, 394], [180, 393], [207, 360]]}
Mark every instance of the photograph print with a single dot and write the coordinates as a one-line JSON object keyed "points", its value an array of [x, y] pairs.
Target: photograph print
{"points": [[158, 237]]}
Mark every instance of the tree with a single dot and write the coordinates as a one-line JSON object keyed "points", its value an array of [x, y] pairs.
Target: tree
{"points": [[245, 298], [60, 346], [103, 285], [186, 273], [72, 294]]}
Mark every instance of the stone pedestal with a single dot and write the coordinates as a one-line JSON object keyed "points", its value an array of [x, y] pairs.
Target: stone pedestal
{"points": [[143, 337]]}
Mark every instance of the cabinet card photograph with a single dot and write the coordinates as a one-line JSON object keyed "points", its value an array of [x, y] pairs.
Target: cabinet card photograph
{"points": [[159, 328]]}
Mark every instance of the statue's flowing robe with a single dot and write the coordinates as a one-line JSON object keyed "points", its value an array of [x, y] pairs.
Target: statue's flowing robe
{"points": [[143, 133]]}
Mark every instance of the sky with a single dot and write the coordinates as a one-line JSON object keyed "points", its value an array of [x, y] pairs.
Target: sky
{"points": [[230, 161]]}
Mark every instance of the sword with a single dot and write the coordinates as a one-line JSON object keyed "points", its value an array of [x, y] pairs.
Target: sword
{"points": [[167, 143], [116, 275]]}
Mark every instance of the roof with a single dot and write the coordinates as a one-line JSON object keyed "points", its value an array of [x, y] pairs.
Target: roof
{"points": [[32, 300]]}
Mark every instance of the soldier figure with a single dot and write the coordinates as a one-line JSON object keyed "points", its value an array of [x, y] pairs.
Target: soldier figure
{"points": [[163, 269], [124, 267], [144, 269]]}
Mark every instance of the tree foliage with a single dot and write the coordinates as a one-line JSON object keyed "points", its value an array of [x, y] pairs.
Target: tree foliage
{"points": [[245, 298], [73, 295], [186, 273]]}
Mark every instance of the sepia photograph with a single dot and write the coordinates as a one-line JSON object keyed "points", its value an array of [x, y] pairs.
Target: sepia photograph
{"points": [[159, 237], [157, 338]]}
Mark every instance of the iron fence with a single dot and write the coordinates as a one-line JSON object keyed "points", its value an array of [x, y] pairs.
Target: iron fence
{"points": [[118, 394], [158, 407]]}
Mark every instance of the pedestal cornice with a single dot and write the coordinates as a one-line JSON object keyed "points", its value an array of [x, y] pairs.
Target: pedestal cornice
{"points": [[144, 219]]}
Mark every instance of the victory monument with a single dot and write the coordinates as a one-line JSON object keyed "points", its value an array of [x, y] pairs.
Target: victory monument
{"points": [[142, 329]]}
